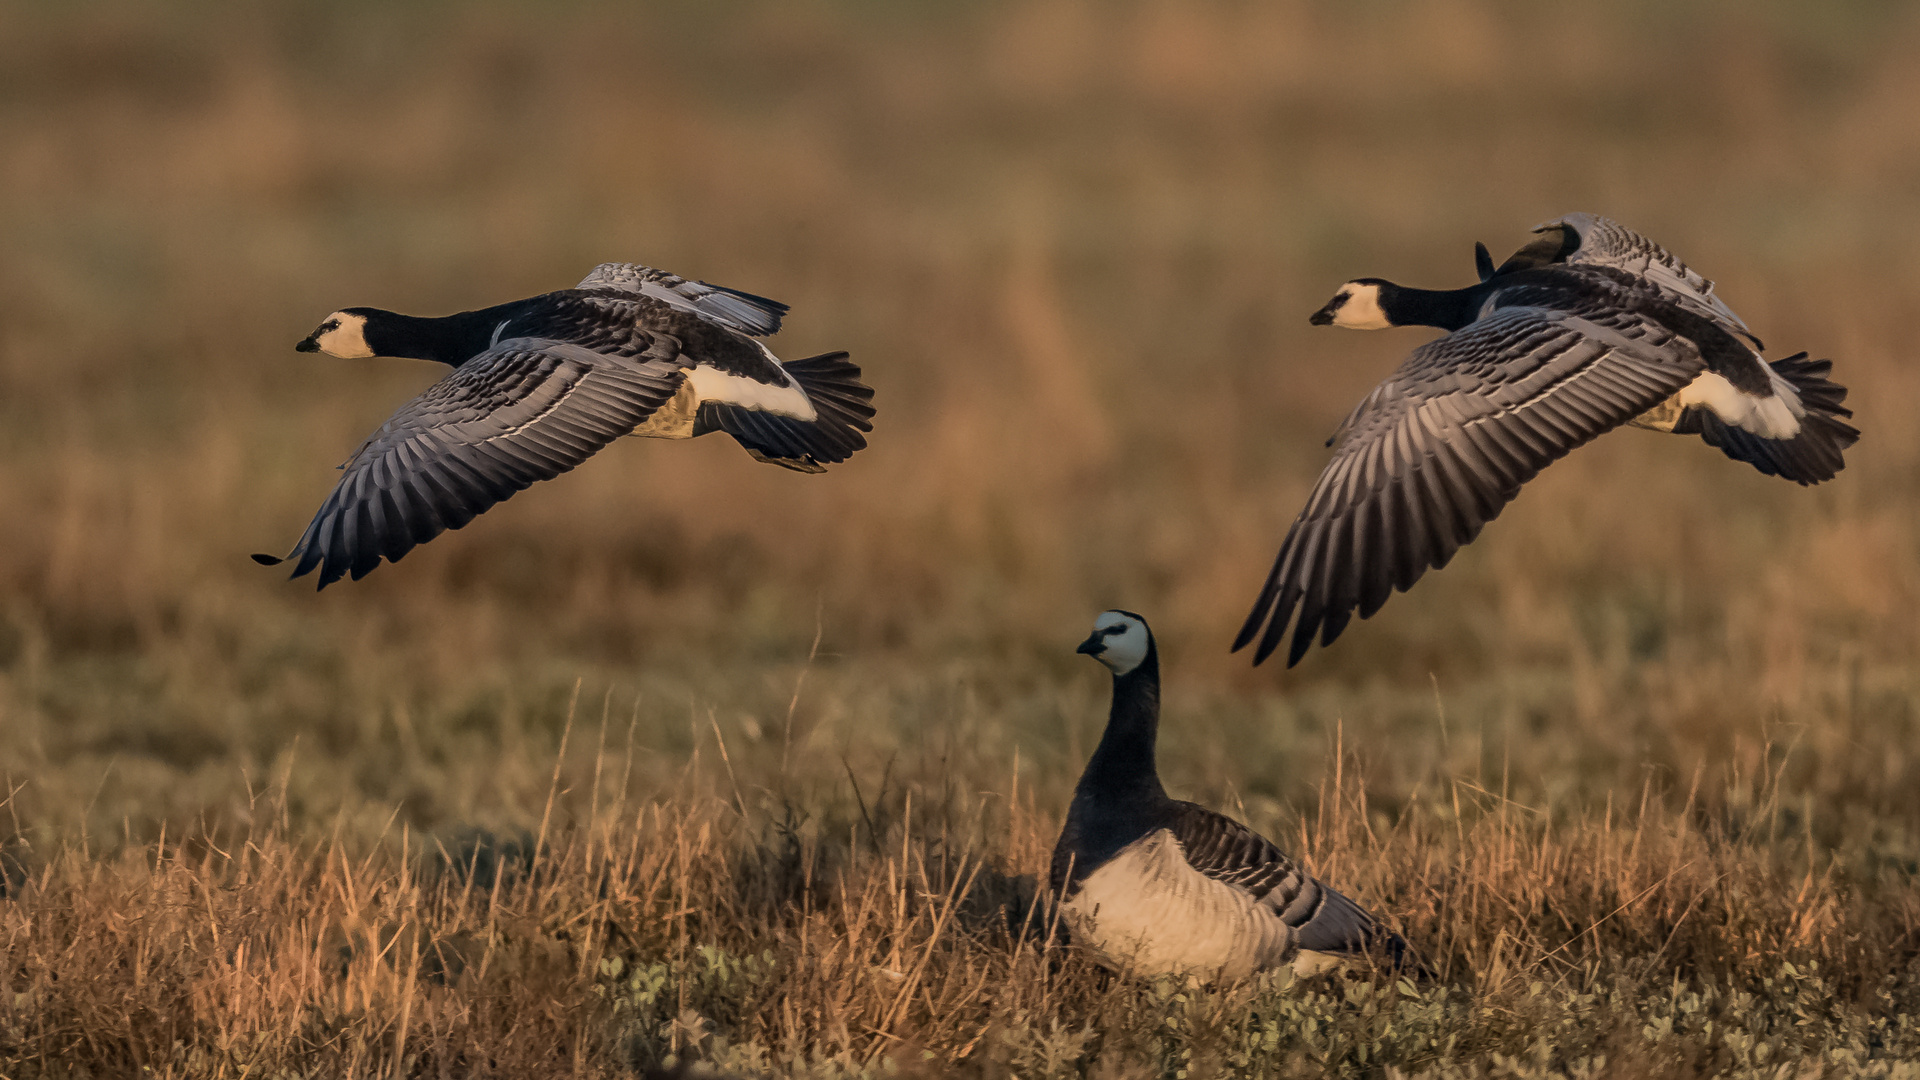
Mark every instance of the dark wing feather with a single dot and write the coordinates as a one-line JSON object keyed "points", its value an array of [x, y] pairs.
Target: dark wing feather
{"points": [[616, 320], [1437, 451], [731, 308], [1323, 920], [524, 411], [1605, 242]]}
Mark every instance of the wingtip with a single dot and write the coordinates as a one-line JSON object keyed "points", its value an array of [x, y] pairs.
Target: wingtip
{"points": [[1251, 630], [1298, 650], [1247, 630], [1265, 650], [267, 560]]}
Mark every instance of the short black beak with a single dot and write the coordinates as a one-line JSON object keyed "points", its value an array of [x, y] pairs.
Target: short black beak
{"points": [[307, 344], [1094, 645], [1323, 317]]}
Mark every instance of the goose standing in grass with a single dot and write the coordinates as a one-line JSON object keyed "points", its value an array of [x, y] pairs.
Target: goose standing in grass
{"points": [[1156, 886], [540, 385], [1588, 328]]}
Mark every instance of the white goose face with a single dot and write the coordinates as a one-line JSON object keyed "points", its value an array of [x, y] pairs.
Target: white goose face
{"points": [[1120, 641], [1356, 306], [342, 334]]}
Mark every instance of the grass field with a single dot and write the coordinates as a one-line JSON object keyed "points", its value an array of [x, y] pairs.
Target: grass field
{"points": [[688, 758]]}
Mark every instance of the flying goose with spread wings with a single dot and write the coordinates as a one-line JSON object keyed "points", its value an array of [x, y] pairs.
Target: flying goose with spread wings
{"points": [[1588, 328], [540, 385], [1153, 886]]}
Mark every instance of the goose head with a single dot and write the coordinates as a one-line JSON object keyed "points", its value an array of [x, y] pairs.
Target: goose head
{"points": [[342, 334], [1359, 305], [1120, 640]]}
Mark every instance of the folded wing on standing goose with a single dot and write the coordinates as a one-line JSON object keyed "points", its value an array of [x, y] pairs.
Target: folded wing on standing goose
{"points": [[1322, 919]]}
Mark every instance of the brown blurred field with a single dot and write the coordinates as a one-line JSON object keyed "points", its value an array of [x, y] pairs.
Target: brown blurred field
{"points": [[1654, 735]]}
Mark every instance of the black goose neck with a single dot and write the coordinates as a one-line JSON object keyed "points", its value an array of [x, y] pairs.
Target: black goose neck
{"points": [[1123, 764], [1448, 309], [447, 339]]}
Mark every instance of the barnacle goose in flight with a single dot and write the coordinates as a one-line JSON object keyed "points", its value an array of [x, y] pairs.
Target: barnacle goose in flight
{"points": [[1157, 886], [1589, 327], [539, 385]]}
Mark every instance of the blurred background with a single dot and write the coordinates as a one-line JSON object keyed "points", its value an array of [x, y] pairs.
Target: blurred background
{"points": [[1073, 245]]}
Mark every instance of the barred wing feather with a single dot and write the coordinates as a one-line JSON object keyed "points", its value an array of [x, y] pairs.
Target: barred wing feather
{"points": [[1605, 242], [749, 314], [1322, 919], [526, 410], [1437, 451]]}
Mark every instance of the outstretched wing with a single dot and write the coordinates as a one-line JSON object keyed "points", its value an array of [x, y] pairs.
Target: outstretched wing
{"points": [[731, 308], [1437, 451], [1322, 919], [1600, 241], [529, 409]]}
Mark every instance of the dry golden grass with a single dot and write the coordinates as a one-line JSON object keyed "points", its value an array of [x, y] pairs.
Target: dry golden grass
{"points": [[711, 924], [1638, 770]]}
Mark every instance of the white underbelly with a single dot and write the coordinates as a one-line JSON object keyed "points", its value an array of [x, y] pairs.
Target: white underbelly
{"points": [[1147, 911]]}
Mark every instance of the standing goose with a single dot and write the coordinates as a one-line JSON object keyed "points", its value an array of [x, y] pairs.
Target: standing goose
{"points": [[539, 385], [1588, 328], [1156, 886]]}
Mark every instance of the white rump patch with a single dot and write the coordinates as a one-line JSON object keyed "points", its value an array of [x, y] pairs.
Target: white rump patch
{"points": [[712, 384], [1776, 416], [1150, 912], [348, 340]]}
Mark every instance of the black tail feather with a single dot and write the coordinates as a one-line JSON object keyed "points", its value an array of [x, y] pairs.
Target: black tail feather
{"points": [[1814, 455], [844, 408]]}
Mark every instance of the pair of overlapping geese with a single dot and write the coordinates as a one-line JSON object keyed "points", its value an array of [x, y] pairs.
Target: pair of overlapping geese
{"points": [[1587, 328]]}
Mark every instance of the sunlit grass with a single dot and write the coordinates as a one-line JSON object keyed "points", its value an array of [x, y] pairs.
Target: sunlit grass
{"points": [[1642, 758]]}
